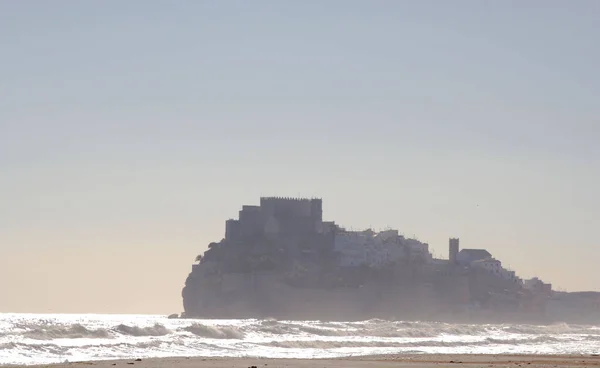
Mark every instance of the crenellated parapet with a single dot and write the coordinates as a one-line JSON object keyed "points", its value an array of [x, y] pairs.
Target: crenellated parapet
{"points": [[302, 207], [291, 215], [287, 199]]}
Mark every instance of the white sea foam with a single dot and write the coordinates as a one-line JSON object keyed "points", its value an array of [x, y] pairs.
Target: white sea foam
{"points": [[40, 339]]}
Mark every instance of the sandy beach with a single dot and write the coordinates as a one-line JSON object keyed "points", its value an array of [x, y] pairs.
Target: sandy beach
{"points": [[413, 361]]}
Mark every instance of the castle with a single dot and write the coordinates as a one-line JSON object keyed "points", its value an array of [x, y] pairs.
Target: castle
{"points": [[277, 216], [282, 249]]}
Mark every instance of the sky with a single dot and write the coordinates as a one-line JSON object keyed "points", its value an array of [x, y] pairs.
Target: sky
{"points": [[131, 130]]}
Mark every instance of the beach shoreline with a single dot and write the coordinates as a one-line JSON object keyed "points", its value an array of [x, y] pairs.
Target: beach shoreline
{"points": [[373, 361]]}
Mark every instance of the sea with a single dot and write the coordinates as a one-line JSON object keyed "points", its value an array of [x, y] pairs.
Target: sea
{"points": [[57, 338]]}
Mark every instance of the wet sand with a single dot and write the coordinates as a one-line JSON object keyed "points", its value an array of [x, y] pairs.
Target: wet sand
{"points": [[381, 361]]}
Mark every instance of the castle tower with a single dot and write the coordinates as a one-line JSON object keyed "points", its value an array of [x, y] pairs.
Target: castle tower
{"points": [[316, 209], [453, 248]]}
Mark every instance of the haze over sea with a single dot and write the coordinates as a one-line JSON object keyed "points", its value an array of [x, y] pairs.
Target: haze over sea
{"points": [[131, 130], [54, 338]]}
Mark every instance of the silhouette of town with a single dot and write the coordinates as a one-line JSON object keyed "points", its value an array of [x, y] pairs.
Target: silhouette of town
{"points": [[281, 260]]}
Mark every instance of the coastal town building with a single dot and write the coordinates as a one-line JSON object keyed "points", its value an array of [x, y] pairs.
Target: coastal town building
{"points": [[491, 265], [358, 248], [535, 284], [467, 256]]}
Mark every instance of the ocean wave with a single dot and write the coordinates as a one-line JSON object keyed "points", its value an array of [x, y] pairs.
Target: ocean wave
{"points": [[8, 345], [48, 348], [381, 328], [156, 330], [326, 344], [75, 331], [268, 322], [373, 328], [215, 332], [322, 331], [59, 349], [336, 344], [278, 330], [558, 328], [41, 339]]}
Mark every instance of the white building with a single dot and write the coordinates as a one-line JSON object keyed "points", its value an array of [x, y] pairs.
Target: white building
{"points": [[351, 247], [494, 266], [467, 256], [511, 276], [369, 248], [417, 249], [489, 264], [536, 284]]}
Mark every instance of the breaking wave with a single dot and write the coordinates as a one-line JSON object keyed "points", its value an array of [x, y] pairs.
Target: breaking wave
{"points": [[76, 331], [214, 332], [43, 339], [323, 344], [558, 328], [156, 330]]}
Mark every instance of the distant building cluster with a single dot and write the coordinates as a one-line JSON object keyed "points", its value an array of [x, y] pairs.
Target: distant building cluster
{"points": [[288, 239], [293, 217], [368, 248]]}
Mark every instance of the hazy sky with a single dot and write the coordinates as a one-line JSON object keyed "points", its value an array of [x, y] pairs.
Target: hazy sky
{"points": [[131, 130]]}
